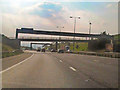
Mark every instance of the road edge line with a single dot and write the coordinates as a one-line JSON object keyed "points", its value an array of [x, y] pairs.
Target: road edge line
{"points": [[16, 64]]}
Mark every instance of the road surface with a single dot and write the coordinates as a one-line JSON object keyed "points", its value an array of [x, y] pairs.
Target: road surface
{"points": [[53, 70]]}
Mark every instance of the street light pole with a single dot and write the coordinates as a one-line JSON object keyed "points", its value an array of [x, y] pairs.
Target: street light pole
{"points": [[74, 33], [90, 29], [74, 30], [59, 35]]}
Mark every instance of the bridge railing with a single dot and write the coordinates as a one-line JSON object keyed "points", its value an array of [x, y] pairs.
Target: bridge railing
{"points": [[54, 38]]}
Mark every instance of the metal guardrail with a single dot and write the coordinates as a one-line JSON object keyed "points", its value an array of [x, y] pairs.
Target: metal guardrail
{"points": [[105, 54]]}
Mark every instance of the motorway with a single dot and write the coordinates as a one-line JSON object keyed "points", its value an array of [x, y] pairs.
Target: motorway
{"points": [[53, 70]]}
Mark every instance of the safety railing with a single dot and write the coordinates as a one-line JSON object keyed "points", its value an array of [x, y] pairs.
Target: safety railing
{"points": [[54, 38]]}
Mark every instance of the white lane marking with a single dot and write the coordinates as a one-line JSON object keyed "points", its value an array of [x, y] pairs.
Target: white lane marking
{"points": [[95, 60], [87, 80], [73, 69], [16, 64], [61, 61]]}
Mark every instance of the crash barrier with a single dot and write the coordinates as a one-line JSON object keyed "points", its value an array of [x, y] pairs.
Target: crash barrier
{"points": [[104, 54]]}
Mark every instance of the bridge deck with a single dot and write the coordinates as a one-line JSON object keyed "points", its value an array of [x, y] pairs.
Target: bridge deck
{"points": [[31, 31]]}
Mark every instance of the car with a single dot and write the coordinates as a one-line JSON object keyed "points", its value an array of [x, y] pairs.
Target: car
{"points": [[43, 50], [68, 51], [60, 51], [38, 50], [52, 50]]}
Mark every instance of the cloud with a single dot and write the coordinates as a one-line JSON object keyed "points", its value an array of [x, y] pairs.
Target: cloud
{"points": [[11, 22], [49, 10], [45, 10]]}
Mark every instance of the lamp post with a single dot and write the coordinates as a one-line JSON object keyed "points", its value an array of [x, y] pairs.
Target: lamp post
{"points": [[60, 27], [74, 29], [90, 29]]}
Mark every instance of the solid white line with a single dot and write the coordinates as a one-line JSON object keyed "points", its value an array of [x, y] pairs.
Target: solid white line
{"points": [[73, 69], [61, 61], [16, 64]]}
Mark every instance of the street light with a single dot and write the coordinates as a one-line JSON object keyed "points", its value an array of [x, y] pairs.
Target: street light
{"points": [[90, 29], [60, 33], [74, 28]]}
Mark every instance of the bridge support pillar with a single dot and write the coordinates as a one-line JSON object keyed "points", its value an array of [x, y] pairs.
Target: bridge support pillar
{"points": [[31, 46], [16, 33], [56, 45]]}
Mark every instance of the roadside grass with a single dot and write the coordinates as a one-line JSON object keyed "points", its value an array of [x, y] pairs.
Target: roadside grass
{"points": [[8, 51], [6, 48], [8, 54], [81, 46]]}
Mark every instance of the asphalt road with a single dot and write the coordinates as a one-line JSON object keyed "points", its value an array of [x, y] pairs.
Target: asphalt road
{"points": [[53, 70], [10, 61]]}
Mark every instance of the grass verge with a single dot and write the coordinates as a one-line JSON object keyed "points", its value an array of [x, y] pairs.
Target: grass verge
{"points": [[8, 54]]}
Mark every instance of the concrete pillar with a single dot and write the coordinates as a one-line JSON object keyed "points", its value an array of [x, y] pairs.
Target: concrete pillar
{"points": [[56, 45], [16, 33], [31, 46]]}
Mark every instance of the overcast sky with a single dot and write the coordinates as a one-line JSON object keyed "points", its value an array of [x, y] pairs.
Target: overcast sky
{"points": [[47, 15]]}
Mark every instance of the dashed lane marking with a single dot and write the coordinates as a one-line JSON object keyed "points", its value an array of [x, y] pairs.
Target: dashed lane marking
{"points": [[61, 61], [73, 69]]}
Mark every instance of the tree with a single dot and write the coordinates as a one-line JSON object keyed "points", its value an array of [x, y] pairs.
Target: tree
{"points": [[103, 33]]}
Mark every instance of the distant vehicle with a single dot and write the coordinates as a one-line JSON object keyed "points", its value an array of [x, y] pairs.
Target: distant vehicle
{"points": [[60, 51], [52, 50], [43, 49], [67, 48], [68, 51], [38, 49]]}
